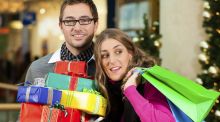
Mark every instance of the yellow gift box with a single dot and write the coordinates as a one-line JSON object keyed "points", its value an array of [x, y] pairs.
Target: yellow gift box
{"points": [[88, 102]]}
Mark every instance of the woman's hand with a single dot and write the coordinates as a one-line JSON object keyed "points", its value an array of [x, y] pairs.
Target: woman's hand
{"points": [[132, 78]]}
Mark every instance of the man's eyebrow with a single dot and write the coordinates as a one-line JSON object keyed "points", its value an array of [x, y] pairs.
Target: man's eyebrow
{"points": [[69, 17], [84, 17]]}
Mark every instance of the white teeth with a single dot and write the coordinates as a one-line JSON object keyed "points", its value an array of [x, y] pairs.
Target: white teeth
{"points": [[78, 36], [114, 68]]}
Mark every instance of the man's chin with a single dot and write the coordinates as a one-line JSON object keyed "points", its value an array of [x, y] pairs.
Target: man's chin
{"points": [[80, 45]]}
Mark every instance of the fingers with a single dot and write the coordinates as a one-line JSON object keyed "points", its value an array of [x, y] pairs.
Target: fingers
{"points": [[138, 71], [133, 71]]}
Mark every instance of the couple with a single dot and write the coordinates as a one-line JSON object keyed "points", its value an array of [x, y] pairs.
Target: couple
{"points": [[114, 56]]}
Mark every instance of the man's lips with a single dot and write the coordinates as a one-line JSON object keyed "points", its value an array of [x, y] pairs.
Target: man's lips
{"points": [[78, 36]]}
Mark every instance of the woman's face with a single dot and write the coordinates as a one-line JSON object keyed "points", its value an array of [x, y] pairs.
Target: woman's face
{"points": [[115, 59]]}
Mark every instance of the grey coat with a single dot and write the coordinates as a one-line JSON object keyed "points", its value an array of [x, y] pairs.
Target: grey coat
{"points": [[41, 67]]}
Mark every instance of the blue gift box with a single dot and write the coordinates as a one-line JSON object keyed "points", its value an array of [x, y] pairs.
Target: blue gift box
{"points": [[41, 95]]}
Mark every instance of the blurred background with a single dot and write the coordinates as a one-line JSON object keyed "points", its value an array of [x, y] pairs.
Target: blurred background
{"points": [[178, 33]]}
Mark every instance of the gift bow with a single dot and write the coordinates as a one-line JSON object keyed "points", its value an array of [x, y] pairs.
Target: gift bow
{"points": [[92, 91], [49, 94], [61, 107]]}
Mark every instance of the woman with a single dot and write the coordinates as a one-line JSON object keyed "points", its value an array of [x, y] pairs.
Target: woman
{"points": [[128, 99]]}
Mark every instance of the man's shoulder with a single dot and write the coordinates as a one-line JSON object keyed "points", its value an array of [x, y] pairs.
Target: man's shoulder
{"points": [[39, 68], [41, 62]]}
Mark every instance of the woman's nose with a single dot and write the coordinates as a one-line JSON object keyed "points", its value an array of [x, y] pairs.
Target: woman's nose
{"points": [[112, 59]]}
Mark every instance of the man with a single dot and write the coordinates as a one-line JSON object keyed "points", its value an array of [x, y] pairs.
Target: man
{"points": [[78, 21]]}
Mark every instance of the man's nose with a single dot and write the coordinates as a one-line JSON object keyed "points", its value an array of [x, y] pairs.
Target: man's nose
{"points": [[77, 26]]}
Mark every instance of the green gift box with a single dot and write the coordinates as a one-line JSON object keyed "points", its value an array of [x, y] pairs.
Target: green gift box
{"points": [[193, 99], [65, 82]]}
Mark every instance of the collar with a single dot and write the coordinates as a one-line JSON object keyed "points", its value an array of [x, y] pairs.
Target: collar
{"points": [[56, 57], [84, 55]]}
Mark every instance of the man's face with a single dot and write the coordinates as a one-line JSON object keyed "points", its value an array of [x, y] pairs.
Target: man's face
{"points": [[78, 36]]}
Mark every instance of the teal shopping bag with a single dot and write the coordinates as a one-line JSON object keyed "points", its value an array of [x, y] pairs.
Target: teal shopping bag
{"points": [[193, 99]]}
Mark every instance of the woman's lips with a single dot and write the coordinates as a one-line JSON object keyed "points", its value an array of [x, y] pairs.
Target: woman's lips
{"points": [[115, 69]]}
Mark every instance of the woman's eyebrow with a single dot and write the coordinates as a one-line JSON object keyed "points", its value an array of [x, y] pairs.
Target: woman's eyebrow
{"points": [[116, 46], [113, 48], [103, 50]]}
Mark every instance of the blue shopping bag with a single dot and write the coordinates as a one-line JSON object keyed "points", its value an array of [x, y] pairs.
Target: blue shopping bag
{"points": [[179, 115]]}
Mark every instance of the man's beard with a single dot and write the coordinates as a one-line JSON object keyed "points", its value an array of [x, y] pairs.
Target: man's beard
{"points": [[85, 45]]}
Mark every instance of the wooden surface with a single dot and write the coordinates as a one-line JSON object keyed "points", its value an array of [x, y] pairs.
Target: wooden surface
{"points": [[10, 106], [8, 86]]}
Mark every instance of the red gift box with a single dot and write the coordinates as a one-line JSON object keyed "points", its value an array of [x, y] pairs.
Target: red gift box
{"points": [[30, 112], [67, 115], [50, 114], [73, 68], [73, 115]]}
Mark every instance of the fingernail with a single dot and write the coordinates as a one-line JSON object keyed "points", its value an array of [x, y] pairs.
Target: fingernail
{"points": [[138, 71]]}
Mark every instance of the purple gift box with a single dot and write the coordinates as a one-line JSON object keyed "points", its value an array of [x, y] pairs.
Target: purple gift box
{"points": [[41, 95]]}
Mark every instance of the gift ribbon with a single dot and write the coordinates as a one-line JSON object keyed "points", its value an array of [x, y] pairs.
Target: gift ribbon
{"points": [[83, 117], [98, 101], [50, 114], [68, 68], [61, 107], [70, 98], [99, 119], [49, 99], [27, 94], [50, 96]]}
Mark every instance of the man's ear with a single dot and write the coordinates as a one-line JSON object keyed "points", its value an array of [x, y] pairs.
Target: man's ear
{"points": [[96, 26], [61, 27]]}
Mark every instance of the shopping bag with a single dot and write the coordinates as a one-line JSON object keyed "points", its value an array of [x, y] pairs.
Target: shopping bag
{"points": [[194, 100], [178, 114]]}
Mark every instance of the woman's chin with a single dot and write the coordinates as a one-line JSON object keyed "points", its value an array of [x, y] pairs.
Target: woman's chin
{"points": [[116, 78]]}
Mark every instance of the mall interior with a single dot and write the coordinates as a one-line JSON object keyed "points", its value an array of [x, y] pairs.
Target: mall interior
{"points": [[29, 29]]}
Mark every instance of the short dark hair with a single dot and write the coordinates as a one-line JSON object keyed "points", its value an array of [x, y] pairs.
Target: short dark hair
{"points": [[90, 3]]}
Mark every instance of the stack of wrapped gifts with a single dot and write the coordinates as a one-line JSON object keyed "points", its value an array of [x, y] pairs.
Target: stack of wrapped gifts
{"points": [[65, 95]]}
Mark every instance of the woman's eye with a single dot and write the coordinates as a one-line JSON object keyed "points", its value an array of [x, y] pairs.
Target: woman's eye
{"points": [[118, 52], [104, 56]]}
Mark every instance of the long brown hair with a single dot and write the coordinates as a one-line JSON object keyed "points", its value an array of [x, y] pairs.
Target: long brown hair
{"points": [[139, 58]]}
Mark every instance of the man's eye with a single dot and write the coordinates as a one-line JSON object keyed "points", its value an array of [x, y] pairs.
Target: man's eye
{"points": [[84, 20], [69, 21]]}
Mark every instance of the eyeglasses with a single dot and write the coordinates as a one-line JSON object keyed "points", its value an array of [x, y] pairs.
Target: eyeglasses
{"points": [[81, 21]]}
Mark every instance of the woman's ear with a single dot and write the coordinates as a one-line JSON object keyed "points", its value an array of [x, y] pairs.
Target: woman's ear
{"points": [[130, 54]]}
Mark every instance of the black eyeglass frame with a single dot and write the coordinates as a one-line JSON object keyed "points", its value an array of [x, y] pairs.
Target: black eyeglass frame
{"points": [[80, 21]]}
